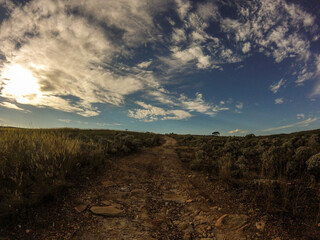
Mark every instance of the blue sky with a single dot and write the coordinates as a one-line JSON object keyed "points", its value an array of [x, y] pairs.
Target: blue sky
{"points": [[180, 66]]}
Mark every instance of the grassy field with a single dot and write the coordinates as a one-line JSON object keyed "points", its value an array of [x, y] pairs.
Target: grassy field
{"points": [[279, 173], [36, 163]]}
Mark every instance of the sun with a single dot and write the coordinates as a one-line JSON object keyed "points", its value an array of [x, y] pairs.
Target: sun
{"points": [[19, 83]]}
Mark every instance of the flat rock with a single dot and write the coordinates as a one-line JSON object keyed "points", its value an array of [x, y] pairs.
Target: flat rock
{"points": [[136, 192], [231, 222], [80, 208], [174, 197], [108, 183], [106, 202], [108, 211]]}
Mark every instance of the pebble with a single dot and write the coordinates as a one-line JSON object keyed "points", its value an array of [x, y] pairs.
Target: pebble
{"points": [[109, 211], [260, 225]]}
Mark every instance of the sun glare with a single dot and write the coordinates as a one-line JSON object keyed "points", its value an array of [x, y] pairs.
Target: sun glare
{"points": [[20, 84]]}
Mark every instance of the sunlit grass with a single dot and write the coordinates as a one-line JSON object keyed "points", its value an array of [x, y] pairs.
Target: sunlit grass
{"points": [[35, 163]]}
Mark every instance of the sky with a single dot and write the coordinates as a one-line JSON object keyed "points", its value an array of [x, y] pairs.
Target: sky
{"points": [[181, 66]]}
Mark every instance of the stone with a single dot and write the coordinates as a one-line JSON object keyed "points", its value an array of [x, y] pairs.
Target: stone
{"points": [[260, 225], [108, 183], [80, 208], [136, 192], [107, 202], [182, 226], [173, 197], [108, 211], [231, 222], [110, 203], [124, 189]]}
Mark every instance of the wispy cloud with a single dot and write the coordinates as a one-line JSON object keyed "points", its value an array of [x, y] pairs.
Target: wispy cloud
{"points": [[12, 106], [66, 53], [238, 131], [108, 124], [298, 124], [278, 101], [239, 105], [76, 56], [275, 87], [4, 121], [149, 113], [144, 64], [300, 116], [64, 120]]}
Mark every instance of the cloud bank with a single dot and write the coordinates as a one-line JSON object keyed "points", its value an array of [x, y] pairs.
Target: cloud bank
{"points": [[75, 56]]}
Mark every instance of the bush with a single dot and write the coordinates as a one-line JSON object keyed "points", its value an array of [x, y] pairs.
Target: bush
{"points": [[225, 166], [313, 165], [242, 166]]}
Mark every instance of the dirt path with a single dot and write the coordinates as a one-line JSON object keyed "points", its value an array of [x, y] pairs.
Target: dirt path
{"points": [[155, 201], [148, 195]]}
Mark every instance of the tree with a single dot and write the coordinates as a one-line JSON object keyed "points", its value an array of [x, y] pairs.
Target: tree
{"points": [[215, 133]]}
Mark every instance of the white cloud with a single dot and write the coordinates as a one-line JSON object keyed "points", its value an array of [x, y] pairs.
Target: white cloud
{"points": [[64, 120], [178, 35], [149, 113], [239, 131], [192, 54], [298, 124], [277, 85], [108, 124], [278, 101], [183, 7], [300, 116], [12, 106], [144, 64], [246, 47], [316, 89], [274, 26], [239, 105], [199, 105], [69, 57]]}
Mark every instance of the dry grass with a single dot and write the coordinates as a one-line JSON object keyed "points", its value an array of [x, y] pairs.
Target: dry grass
{"points": [[35, 163]]}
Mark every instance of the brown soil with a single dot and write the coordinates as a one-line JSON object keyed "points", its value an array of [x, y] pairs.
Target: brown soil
{"points": [[151, 195]]}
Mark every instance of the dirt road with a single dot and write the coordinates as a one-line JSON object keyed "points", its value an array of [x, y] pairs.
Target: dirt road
{"points": [[156, 201], [148, 195]]}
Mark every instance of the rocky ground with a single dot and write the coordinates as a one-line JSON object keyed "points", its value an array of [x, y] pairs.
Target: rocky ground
{"points": [[148, 195]]}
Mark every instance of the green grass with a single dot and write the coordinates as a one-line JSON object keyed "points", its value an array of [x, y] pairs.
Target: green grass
{"points": [[36, 163]]}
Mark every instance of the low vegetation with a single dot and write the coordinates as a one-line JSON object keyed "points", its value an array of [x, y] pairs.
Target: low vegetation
{"points": [[35, 164], [281, 173]]}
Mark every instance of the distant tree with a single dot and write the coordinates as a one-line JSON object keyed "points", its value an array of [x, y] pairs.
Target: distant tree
{"points": [[215, 133], [251, 135]]}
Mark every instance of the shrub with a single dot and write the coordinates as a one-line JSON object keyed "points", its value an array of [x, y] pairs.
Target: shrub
{"points": [[196, 163], [313, 165], [242, 165], [225, 166]]}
